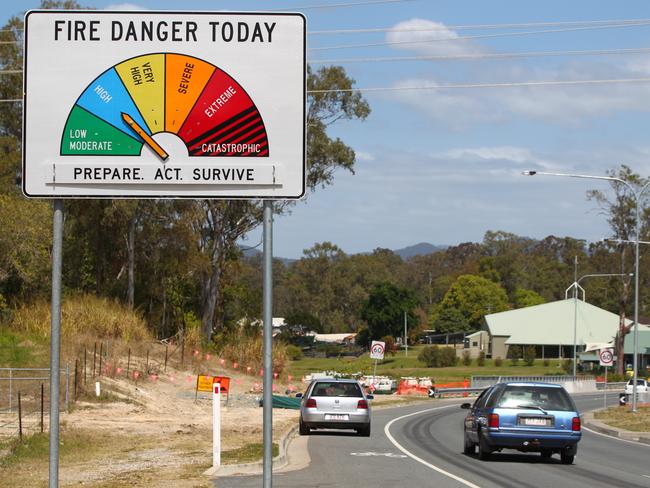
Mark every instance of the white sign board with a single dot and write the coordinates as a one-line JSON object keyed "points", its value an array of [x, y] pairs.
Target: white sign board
{"points": [[606, 357], [164, 104], [377, 350]]}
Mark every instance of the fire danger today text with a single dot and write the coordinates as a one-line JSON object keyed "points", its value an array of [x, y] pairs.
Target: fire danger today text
{"points": [[163, 30]]}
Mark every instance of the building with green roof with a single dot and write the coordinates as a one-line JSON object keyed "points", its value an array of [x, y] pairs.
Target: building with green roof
{"points": [[550, 328]]}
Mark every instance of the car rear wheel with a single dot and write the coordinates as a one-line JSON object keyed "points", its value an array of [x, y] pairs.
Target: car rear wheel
{"points": [[483, 448], [364, 431], [304, 430], [468, 446], [567, 458]]}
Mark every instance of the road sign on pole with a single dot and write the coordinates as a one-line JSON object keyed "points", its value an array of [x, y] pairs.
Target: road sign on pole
{"points": [[377, 350], [606, 356], [164, 104]]}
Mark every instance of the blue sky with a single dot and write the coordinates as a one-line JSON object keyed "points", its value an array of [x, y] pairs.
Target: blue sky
{"points": [[444, 165]]}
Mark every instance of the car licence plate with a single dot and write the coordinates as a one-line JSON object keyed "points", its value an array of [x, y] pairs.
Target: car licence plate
{"points": [[335, 416], [536, 421]]}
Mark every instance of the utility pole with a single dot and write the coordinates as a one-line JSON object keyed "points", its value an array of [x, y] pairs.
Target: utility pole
{"points": [[406, 337]]}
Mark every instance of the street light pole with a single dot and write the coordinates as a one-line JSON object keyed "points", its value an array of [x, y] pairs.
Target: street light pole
{"points": [[575, 285], [406, 337], [637, 201], [575, 317]]}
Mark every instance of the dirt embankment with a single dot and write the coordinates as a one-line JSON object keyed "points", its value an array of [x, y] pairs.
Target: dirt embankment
{"points": [[153, 433]]}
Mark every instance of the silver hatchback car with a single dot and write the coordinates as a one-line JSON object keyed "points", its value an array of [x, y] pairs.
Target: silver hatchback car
{"points": [[332, 403]]}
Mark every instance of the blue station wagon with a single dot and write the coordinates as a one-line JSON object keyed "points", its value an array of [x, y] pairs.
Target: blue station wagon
{"points": [[528, 417]]}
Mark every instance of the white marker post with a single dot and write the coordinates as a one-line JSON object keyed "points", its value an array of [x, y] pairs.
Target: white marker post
{"points": [[216, 425]]}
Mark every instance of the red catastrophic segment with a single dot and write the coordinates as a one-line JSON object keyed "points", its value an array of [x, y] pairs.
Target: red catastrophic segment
{"points": [[224, 122]]}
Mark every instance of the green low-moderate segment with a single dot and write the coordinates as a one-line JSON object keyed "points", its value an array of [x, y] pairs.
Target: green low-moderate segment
{"points": [[87, 134]]}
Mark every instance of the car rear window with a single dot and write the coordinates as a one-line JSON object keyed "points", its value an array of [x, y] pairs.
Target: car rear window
{"points": [[334, 388], [638, 382], [535, 396]]}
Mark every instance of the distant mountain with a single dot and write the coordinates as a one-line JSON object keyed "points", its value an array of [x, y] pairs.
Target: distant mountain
{"points": [[254, 252], [421, 249]]}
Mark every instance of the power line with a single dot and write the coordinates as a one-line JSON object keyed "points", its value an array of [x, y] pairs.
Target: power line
{"points": [[623, 22], [483, 36], [513, 84], [488, 85], [461, 57]]}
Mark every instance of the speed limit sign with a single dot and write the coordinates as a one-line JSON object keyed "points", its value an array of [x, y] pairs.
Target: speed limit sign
{"points": [[606, 357], [377, 350]]}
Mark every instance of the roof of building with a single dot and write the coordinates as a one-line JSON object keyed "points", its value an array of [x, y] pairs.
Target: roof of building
{"points": [[553, 324], [644, 341]]}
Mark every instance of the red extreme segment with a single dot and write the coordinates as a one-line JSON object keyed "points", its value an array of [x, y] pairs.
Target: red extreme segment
{"points": [[311, 403], [224, 122]]}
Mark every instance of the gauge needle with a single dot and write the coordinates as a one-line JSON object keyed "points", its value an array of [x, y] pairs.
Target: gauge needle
{"points": [[147, 138]]}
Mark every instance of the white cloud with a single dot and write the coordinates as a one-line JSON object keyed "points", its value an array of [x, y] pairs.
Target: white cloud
{"points": [[428, 37], [124, 6], [364, 156], [566, 104]]}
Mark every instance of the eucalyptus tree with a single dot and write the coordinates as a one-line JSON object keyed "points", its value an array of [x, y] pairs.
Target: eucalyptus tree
{"points": [[620, 211]]}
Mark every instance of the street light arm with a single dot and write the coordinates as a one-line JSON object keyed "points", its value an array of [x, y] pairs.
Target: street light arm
{"points": [[588, 177], [602, 275]]}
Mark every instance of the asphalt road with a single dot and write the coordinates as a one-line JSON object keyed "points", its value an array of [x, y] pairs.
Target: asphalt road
{"points": [[421, 445]]}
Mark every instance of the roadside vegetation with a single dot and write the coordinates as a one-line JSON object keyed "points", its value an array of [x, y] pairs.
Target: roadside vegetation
{"points": [[624, 418], [401, 365]]}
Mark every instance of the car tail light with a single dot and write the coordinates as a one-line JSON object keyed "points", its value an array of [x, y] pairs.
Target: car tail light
{"points": [[362, 404], [575, 424], [311, 403], [493, 420]]}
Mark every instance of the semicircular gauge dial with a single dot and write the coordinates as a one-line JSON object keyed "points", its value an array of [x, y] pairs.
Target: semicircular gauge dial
{"points": [[127, 104]]}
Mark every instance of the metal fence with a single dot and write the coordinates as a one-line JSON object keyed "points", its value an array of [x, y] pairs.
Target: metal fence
{"points": [[483, 381], [24, 400], [13, 380]]}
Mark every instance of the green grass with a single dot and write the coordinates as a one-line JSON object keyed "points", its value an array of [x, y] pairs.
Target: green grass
{"points": [[13, 353], [400, 365], [72, 444], [247, 454]]}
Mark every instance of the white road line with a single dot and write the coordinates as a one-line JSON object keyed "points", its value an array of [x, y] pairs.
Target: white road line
{"points": [[636, 443], [420, 460]]}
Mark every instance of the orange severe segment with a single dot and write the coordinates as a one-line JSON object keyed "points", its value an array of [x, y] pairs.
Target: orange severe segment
{"points": [[185, 79]]}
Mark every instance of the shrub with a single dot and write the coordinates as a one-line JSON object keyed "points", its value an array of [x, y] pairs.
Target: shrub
{"points": [[547, 362], [498, 361], [438, 357], [467, 358], [480, 361], [391, 347], [529, 355], [515, 353], [294, 352], [244, 345], [567, 366]]}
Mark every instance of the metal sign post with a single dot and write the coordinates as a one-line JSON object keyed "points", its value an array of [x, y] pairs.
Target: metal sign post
{"points": [[216, 425], [55, 340], [267, 414], [606, 359]]}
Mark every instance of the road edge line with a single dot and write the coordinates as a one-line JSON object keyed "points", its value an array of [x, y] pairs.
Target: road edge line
{"points": [[418, 459], [629, 441]]}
